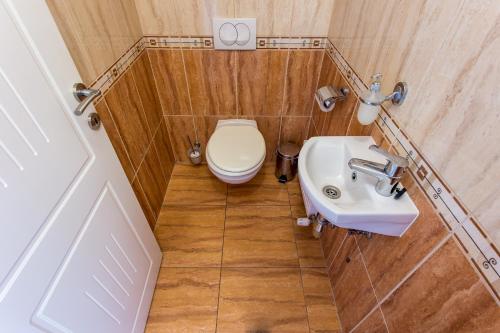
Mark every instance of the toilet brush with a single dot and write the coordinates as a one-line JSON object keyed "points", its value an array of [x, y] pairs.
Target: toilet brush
{"points": [[194, 152]]}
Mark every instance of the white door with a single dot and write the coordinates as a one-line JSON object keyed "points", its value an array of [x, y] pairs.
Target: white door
{"points": [[76, 252]]}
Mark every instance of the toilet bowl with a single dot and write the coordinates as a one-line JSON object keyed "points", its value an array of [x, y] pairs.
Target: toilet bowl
{"points": [[236, 150]]}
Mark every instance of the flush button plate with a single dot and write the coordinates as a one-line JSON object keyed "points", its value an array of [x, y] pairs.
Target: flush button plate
{"points": [[234, 34]]}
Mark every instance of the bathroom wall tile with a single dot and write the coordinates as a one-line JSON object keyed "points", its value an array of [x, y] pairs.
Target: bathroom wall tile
{"points": [[331, 241], [260, 82], [342, 258], [323, 318], [312, 130], [191, 238], [337, 121], [270, 129], [152, 180], [301, 80], [294, 129], [273, 17], [353, 292], [116, 139], [259, 236], [180, 128], [380, 139], [195, 186], [311, 18], [124, 104], [263, 189], [96, 32], [143, 202], [164, 149], [205, 127], [169, 73], [317, 289], [327, 77], [445, 294], [249, 296], [158, 17], [185, 300], [355, 127], [144, 80], [389, 259], [211, 77], [374, 323]]}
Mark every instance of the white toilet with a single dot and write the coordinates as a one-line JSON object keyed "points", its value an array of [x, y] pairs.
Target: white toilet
{"points": [[236, 150]]}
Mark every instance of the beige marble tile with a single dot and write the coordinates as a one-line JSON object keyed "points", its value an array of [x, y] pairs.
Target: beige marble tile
{"points": [[274, 17], [311, 18]]}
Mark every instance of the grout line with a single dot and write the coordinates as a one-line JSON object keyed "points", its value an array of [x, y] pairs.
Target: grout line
{"points": [[285, 95], [189, 95], [140, 99], [370, 279], [145, 153], [338, 250], [221, 260], [315, 89]]}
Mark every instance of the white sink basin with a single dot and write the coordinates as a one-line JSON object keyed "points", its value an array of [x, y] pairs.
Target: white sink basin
{"points": [[323, 161]]}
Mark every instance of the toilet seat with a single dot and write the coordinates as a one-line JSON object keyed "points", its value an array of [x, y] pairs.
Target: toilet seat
{"points": [[236, 148]]}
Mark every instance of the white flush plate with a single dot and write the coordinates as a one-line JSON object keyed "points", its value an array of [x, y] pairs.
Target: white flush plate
{"points": [[234, 33]]}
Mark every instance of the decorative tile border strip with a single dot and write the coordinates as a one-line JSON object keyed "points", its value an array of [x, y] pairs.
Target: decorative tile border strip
{"points": [[205, 42], [474, 241], [106, 80]]}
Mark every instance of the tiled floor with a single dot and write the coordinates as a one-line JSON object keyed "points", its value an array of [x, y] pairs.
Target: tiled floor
{"points": [[234, 260]]}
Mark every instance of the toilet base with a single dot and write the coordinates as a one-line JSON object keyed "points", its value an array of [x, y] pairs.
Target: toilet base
{"points": [[236, 179]]}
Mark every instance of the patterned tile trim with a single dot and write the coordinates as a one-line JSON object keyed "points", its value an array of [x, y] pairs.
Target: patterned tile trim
{"points": [[205, 42], [106, 80], [481, 250]]}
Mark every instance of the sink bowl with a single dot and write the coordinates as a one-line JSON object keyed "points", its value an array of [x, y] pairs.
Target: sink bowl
{"points": [[346, 200]]}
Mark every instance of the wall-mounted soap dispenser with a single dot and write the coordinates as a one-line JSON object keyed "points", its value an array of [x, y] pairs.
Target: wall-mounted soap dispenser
{"points": [[372, 99]]}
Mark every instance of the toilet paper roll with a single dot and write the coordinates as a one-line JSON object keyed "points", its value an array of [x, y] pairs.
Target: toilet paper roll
{"points": [[325, 97]]}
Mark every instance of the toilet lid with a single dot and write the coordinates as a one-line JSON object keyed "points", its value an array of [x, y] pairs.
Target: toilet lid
{"points": [[236, 148]]}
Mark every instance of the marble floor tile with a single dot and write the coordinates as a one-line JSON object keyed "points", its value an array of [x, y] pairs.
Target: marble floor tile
{"points": [[259, 237], [195, 185], [185, 300], [191, 238], [261, 300]]}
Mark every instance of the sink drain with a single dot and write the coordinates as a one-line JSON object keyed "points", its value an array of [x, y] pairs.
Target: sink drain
{"points": [[331, 192]]}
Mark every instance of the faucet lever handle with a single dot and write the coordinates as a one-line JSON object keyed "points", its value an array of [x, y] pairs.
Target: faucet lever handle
{"points": [[392, 158]]}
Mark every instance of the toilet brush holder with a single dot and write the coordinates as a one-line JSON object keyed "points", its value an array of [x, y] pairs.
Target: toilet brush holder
{"points": [[194, 154]]}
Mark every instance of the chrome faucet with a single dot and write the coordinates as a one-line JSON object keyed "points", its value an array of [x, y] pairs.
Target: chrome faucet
{"points": [[387, 174]]}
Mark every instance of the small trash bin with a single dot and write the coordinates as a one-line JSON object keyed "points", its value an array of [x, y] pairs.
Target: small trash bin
{"points": [[287, 161]]}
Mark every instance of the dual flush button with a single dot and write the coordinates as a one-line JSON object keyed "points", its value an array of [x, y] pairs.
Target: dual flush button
{"points": [[234, 34]]}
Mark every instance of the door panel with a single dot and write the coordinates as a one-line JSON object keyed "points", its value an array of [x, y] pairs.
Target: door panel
{"points": [[76, 252]]}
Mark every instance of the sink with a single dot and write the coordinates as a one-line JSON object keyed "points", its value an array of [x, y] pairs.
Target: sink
{"points": [[347, 201]]}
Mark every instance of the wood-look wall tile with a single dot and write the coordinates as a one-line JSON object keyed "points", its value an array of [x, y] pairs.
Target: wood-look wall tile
{"points": [[186, 182], [446, 295], [185, 300], [374, 323], [379, 137], [115, 138], [332, 240], [312, 130], [354, 295], [205, 127], [270, 129], [180, 127], [143, 202], [301, 80], [294, 129], [311, 18], [327, 76], [124, 103], [249, 297], [152, 180], [260, 82], [259, 237], [273, 17], [211, 77], [338, 120], [144, 80], [164, 148], [389, 259], [191, 238], [168, 70]]}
